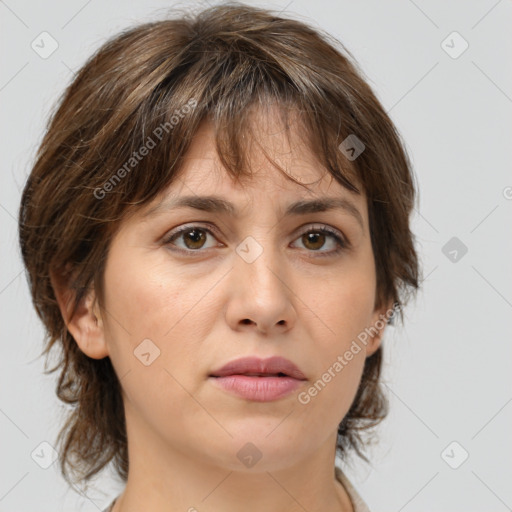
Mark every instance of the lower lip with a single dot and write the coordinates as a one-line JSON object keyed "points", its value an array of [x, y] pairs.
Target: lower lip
{"points": [[258, 389]]}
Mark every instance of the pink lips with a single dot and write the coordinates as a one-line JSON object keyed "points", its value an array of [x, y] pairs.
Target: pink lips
{"points": [[260, 380]]}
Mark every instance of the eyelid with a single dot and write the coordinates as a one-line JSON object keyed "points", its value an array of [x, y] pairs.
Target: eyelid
{"points": [[313, 226]]}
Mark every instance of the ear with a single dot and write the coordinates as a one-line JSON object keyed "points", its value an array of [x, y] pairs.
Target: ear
{"points": [[380, 319], [85, 325]]}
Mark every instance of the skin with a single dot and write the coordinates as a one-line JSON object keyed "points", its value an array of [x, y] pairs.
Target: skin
{"points": [[205, 308]]}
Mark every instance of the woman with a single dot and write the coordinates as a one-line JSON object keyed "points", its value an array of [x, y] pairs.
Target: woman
{"points": [[216, 233]]}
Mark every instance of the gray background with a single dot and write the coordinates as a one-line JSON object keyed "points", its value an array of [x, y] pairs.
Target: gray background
{"points": [[448, 373]]}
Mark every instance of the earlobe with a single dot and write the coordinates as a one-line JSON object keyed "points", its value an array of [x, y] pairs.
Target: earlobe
{"points": [[85, 322]]}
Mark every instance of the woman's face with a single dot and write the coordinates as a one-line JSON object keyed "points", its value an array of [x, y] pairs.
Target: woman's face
{"points": [[254, 283]]}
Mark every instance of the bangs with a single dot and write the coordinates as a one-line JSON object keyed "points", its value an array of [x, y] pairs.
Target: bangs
{"points": [[223, 87]]}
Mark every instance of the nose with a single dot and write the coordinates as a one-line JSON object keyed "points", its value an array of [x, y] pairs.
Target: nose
{"points": [[260, 295]]}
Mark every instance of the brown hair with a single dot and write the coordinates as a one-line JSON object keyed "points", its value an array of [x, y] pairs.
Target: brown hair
{"points": [[220, 62]]}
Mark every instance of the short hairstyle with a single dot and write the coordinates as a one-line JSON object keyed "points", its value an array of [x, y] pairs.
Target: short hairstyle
{"points": [[151, 86]]}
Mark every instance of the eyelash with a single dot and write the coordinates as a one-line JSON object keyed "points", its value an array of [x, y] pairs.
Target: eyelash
{"points": [[341, 243]]}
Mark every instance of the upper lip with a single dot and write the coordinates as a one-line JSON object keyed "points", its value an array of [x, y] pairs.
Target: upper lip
{"points": [[258, 366]]}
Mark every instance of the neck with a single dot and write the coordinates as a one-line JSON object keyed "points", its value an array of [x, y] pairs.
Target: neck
{"points": [[164, 478]]}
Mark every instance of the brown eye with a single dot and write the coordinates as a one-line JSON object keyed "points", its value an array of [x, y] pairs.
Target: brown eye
{"points": [[313, 240], [324, 241], [193, 238]]}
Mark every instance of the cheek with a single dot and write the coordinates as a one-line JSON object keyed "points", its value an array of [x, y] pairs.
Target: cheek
{"points": [[343, 307], [327, 400], [340, 310], [148, 298]]}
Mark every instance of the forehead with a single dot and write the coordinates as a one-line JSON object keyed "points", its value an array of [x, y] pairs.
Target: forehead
{"points": [[268, 145], [276, 152]]}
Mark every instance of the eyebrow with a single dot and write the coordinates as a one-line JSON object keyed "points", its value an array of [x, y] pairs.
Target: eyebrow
{"points": [[215, 204]]}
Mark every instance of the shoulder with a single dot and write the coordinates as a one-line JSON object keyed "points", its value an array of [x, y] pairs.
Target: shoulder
{"points": [[358, 504], [110, 507]]}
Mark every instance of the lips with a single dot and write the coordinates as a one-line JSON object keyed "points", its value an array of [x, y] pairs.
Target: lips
{"points": [[256, 367], [259, 380]]}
